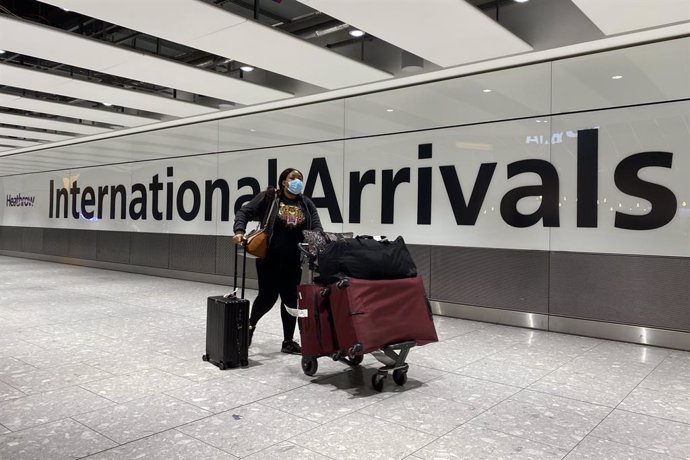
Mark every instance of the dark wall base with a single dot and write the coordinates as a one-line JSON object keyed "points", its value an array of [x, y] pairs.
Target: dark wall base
{"points": [[645, 291]]}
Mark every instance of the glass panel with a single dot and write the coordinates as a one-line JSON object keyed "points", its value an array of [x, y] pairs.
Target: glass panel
{"points": [[649, 73], [651, 134], [519, 92], [296, 125]]}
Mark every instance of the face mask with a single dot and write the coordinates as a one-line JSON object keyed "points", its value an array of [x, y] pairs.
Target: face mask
{"points": [[295, 186]]}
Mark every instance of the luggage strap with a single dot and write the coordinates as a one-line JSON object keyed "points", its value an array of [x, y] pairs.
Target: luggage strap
{"points": [[317, 318]]}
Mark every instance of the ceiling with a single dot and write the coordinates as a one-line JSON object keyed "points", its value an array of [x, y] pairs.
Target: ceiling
{"points": [[74, 68]]}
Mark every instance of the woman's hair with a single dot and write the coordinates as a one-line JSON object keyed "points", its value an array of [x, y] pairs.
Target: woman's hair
{"points": [[281, 178]]}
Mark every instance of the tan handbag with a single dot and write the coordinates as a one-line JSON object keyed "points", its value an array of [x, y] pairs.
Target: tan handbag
{"points": [[256, 241]]}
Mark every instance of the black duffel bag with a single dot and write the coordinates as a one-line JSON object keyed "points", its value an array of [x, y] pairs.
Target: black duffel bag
{"points": [[365, 258]]}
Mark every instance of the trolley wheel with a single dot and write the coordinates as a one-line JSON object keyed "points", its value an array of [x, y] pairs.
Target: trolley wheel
{"points": [[204, 357], [400, 376], [377, 381], [309, 365], [356, 360]]}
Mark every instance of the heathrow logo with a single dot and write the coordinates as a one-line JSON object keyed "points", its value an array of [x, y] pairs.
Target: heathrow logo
{"points": [[19, 201]]}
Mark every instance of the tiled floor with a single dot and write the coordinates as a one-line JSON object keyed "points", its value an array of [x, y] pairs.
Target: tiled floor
{"points": [[107, 365]]}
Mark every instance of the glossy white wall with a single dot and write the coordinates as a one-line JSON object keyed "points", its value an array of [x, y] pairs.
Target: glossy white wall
{"points": [[534, 114]]}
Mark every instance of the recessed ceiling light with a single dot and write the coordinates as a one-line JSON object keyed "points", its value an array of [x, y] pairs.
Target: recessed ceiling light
{"points": [[246, 68], [389, 110], [617, 77], [357, 33], [538, 121], [252, 130], [487, 90], [107, 104]]}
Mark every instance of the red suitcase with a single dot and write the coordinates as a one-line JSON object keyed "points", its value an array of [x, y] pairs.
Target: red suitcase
{"points": [[372, 314], [316, 329]]}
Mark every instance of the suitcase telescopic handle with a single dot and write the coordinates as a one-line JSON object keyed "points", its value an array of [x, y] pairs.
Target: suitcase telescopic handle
{"points": [[244, 269]]}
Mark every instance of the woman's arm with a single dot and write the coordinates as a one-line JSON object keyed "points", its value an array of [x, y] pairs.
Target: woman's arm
{"points": [[252, 210], [314, 214]]}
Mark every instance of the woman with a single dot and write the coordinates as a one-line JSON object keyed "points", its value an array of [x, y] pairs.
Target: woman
{"points": [[279, 272]]}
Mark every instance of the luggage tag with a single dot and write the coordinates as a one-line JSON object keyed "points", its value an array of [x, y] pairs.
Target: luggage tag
{"points": [[297, 312]]}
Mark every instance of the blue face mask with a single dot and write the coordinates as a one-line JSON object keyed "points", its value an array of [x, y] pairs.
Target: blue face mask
{"points": [[295, 186]]}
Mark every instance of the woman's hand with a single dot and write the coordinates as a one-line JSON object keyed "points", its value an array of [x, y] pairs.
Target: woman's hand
{"points": [[238, 238]]}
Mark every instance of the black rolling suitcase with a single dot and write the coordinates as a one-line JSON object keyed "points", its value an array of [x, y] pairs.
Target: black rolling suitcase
{"points": [[227, 326]]}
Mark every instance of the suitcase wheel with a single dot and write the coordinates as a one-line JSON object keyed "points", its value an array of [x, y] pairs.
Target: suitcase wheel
{"points": [[222, 366], [355, 349], [343, 283], [356, 360], [400, 376], [377, 381], [244, 363], [309, 365], [204, 358]]}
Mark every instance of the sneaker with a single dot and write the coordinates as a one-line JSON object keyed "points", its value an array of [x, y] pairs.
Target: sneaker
{"points": [[291, 347], [251, 334]]}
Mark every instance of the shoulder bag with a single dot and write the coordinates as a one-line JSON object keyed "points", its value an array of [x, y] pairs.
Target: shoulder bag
{"points": [[256, 241]]}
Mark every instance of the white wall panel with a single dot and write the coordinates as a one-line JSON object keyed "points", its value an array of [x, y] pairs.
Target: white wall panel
{"points": [[519, 92], [95, 177], [255, 164], [196, 169], [618, 16], [309, 123], [171, 142], [456, 155], [650, 73], [622, 133], [36, 186], [465, 149]]}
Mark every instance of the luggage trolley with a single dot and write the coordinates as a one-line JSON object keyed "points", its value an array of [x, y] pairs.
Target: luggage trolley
{"points": [[392, 356]]}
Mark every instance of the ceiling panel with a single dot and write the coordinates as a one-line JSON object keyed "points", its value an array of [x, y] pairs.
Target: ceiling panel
{"points": [[445, 32], [618, 16], [47, 123], [29, 134], [21, 77], [72, 111], [212, 31], [72, 49], [17, 142]]}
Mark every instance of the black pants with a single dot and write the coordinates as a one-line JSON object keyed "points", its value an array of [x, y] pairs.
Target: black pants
{"points": [[277, 277]]}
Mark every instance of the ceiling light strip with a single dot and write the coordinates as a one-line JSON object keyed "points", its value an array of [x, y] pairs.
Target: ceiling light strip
{"points": [[29, 134], [72, 111], [75, 50], [220, 32], [46, 123], [21, 77], [451, 33], [17, 142]]}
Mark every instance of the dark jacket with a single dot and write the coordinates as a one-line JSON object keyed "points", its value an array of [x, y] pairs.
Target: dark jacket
{"points": [[257, 208]]}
